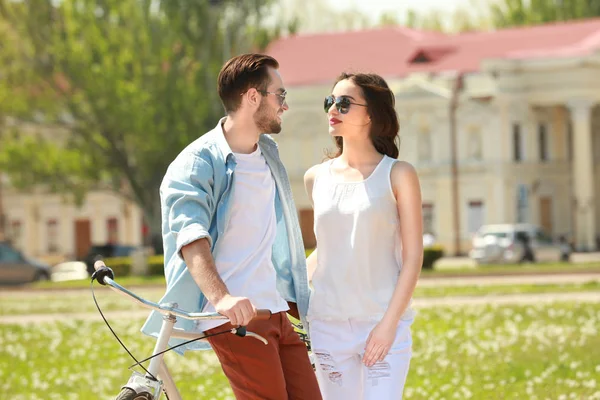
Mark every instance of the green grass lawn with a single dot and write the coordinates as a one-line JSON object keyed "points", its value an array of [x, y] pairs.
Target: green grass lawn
{"points": [[80, 301], [451, 272], [488, 290], [474, 352]]}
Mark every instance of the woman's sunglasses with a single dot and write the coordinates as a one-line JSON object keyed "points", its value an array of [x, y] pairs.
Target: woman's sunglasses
{"points": [[342, 104]]}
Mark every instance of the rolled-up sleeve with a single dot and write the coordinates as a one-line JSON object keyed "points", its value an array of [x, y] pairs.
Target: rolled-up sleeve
{"points": [[187, 200]]}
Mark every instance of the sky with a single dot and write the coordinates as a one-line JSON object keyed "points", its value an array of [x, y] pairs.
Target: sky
{"points": [[321, 16], [374, 8]]}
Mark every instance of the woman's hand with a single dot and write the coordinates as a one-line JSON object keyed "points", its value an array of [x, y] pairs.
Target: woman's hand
{"points": [[379, 342]]}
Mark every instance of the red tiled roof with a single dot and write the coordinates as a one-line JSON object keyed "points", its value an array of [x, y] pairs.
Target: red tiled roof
{"points": [[319, 58]]}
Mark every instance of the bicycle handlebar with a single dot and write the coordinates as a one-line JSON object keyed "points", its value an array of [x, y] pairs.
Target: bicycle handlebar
{"points": [[105, 277]]}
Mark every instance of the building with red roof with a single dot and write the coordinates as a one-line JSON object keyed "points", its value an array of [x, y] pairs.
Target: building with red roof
{"points": [[527, 137], [528, 121]]}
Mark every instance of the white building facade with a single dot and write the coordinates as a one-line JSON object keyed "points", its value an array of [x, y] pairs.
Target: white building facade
{"points": [[528, 137], [528, 143]]}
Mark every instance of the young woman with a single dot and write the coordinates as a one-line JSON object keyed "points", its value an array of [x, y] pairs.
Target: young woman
{"points": [[368, 225]]}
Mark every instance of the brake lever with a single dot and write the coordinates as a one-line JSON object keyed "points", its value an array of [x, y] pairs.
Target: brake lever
{"points": [[241, 331], [257, 337]]}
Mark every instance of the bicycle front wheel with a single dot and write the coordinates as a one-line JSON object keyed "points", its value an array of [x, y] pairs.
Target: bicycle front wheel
{"points": [[128, 394]]}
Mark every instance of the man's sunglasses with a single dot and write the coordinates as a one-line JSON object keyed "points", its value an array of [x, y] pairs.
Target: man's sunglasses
{"points": [[342, 104], [280, 96]]}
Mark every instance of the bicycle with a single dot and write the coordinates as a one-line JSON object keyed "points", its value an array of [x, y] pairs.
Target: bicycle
{"points": [[148, 386]]}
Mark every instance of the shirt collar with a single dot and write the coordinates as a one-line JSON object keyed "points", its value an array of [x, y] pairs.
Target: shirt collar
{"points": [[224, 146], [221, 141]]}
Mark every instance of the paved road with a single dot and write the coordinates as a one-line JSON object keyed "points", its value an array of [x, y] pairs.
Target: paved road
{"points": [[589, 297], [453, 262], [510, 280], [507, 299]]}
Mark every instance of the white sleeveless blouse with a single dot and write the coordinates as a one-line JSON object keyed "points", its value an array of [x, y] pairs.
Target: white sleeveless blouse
{"points": [[359, 248]]}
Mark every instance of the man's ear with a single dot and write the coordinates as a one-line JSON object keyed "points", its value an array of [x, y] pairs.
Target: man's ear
{"points": [[252, 97]]}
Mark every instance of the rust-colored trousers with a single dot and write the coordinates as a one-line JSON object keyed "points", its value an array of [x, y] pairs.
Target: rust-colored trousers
{"points": [[278, 371]]}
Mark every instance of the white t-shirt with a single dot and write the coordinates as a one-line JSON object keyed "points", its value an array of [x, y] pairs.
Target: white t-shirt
{"points": [[243, 253]]}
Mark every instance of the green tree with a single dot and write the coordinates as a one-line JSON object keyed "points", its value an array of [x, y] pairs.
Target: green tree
{"points": [[433, 21], [388, 19], [462, 19], [412, 19], [310, 16], [507, 13], [105, 93]]}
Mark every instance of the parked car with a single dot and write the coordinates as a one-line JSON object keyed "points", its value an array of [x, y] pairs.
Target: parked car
{"points": [[17, 269], [69, 271], [509, 244], [106, 251]]}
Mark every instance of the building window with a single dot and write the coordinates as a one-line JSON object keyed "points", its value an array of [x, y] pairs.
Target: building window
{"points": [[428, 218], [146, 236], [543, 142], [424, 142], [52, 232], [475, 150], [522, 203], [112, 229], [475, 215], [517, 148]]}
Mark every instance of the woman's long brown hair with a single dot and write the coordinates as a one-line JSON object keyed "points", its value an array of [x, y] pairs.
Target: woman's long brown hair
{"points": [[381, 108]]}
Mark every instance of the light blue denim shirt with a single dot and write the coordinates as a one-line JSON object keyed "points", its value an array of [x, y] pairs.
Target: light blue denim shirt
{"points": [[195, 196]]}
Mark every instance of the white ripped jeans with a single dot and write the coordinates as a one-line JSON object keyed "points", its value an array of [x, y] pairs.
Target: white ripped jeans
{"points": [[338, 347]]}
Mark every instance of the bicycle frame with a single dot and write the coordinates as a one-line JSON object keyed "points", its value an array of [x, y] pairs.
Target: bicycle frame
{"points": [[157, 367]]}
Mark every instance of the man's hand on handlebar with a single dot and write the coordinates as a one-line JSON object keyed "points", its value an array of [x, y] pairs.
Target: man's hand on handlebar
{"points": [[239, 310]]}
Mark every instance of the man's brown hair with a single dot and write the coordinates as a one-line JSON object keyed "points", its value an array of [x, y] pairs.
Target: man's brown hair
{"points": [[241, 73]]}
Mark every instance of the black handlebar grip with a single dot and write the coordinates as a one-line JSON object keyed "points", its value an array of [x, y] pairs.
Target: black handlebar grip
{"points": [[240, 331], [261, 314], [102, 271]]}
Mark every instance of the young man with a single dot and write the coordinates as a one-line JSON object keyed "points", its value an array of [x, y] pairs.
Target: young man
{"points": [[232, 239]]}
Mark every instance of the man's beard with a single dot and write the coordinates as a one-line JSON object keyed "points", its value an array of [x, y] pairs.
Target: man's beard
{"points": [[264, 121]]}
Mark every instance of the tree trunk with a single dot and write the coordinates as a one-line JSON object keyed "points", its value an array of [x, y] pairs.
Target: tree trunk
{"points": [[152, 215], [3, 235]]}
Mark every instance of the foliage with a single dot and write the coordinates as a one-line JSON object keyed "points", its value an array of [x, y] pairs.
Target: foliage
{"points": [[463, 19], [509, 13], [311, 16], [431, 255], [122, 266], [104, 94], [479, 16]]}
